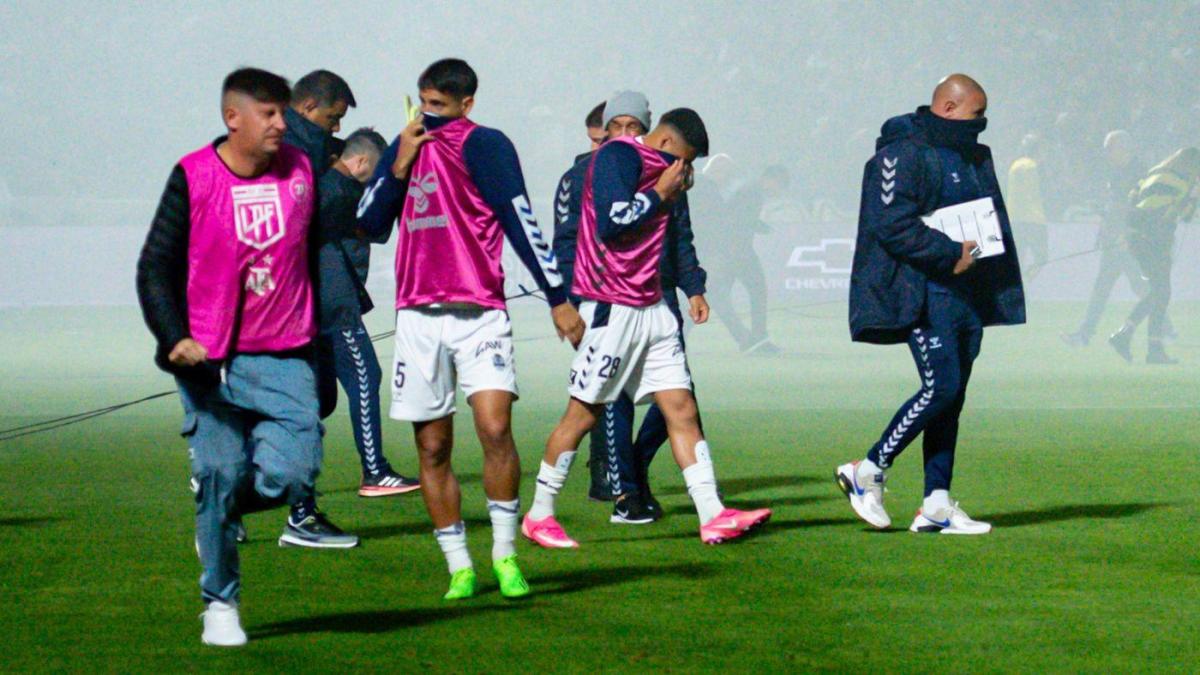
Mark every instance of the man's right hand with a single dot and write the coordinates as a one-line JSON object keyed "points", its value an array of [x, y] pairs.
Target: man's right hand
{"points": [[188, 352], [671, 183], [411, 140], [967, 260]]}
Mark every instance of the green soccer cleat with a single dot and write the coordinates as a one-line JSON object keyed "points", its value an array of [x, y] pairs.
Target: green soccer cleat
{"points": [[512, 582], [462, 585]]}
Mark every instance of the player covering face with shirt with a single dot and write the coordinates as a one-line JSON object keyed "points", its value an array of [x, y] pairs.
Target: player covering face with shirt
{"points": [[455, 190], [632, 343]]}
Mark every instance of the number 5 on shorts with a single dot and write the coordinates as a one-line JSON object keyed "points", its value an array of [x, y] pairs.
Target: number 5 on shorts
{"points": [[398, 382]]}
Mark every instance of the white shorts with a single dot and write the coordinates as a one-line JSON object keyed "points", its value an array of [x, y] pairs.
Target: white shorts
{"points": [[438, 349], [632, 349]]}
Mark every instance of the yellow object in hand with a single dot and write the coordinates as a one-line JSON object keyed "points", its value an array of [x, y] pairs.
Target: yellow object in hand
{"points": [[410, 111]]}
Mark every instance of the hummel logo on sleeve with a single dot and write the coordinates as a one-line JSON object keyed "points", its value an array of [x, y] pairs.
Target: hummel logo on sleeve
{"points": [[889, 179]]}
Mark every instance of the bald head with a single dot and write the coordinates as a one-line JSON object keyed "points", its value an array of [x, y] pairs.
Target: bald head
{"points": [[1119, 147], [959, 97]]}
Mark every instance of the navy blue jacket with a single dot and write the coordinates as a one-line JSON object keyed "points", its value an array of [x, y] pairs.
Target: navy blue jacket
{"points": [[680, 267], [311, 139], [923, 163], [344, 258], [568, 206]]}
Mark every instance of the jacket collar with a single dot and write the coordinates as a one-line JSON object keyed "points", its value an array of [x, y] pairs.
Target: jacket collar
{"points": [[956, 134]]}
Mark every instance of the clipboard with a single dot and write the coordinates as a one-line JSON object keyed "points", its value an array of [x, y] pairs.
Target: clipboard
{"points": [[975, 221]]}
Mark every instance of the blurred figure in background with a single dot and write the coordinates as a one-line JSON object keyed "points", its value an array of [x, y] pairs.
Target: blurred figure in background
{"points": [[1123, 173], [732, 207], [1026, 209], [780, 204], [1163, 199]]}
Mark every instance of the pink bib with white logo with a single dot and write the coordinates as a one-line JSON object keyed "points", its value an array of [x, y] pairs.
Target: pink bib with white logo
{"points": [[449, 243], [624, 272], [248, 254]]}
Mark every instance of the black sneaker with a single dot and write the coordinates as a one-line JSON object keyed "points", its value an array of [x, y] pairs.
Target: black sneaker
{"points": [[316, 531], [652, 504], [599, 490], [387, 483], [630, 509], [240, 528], [1120, 342]]}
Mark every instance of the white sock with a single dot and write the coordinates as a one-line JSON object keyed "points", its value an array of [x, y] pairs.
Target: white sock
{"points": [[550, 480], [936, 501], [504, 527], [868, 469], [702, 486], [453, 541]]}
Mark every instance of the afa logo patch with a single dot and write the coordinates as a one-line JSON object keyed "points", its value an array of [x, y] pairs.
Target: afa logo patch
{"points": [[257, 214], [299, 188]]}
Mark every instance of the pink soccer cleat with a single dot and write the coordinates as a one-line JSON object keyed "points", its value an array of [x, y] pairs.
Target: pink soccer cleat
{"points": [[731, 524], [546, 533]]}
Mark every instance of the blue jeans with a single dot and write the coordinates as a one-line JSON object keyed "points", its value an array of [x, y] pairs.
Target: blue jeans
{"points": [[255, 443], [626, 461], [944, 349]]}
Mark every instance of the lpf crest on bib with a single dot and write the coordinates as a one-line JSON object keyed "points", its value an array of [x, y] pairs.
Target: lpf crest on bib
{"points": [[257, 214]]}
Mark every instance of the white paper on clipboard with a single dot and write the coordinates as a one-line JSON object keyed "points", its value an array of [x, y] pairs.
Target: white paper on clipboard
{"points": [[975, 221]]}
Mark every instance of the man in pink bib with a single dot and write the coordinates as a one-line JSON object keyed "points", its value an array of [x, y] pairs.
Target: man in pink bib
{"points": [[632, 341], [225, 286], [455, 190]]}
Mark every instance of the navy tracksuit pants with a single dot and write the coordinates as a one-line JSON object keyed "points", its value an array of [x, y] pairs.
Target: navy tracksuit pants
{"points": [[347, 356], [944, 349]]}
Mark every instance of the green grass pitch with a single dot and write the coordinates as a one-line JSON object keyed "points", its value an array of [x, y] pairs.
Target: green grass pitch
{"points": [[1086, 466]]}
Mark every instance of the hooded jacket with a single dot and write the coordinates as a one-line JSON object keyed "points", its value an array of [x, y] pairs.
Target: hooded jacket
{"points": [[922, 163]]}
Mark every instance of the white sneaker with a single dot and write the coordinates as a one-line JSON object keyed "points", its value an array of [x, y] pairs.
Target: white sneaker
{"points": [[865, 494], [221, 626], [948, 520]]}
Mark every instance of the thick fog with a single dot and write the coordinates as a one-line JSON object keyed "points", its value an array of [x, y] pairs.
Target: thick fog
{"points": [[100, 99]]}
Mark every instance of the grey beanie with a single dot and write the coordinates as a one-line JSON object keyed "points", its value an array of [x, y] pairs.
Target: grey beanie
{"points": [[632, 103]]}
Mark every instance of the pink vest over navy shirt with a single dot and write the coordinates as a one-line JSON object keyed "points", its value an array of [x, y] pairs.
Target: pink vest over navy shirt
{"points": [[625, 272], [450, 242]]}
